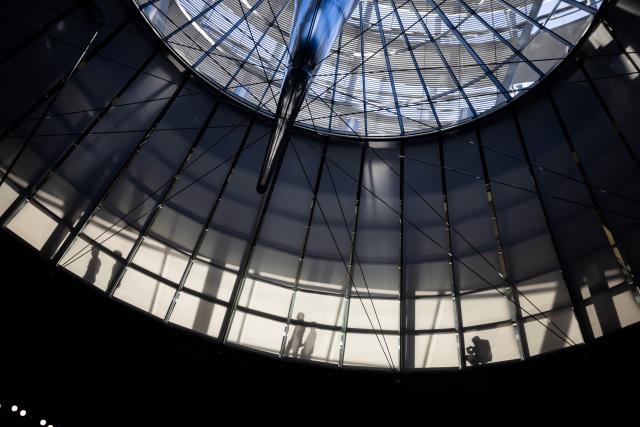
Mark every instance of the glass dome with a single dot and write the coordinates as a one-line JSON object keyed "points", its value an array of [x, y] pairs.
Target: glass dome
{"points": [[399, 67]]}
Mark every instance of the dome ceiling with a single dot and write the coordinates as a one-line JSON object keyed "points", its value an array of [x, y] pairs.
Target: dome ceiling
{"points": [[398, 67]]}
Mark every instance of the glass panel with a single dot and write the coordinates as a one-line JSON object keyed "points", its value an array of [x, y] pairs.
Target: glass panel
{"points": [[32, 225], [266, 298], [145, 293], [433, 313], [211, 281], [628, 307], [485, 307], [161, 260], [317, 344], [322, 309], [363, 310], [365, 350], [96, 267], [378, 234], [256, 332], [541, 340], [277, 252], [324, 264], [198, 314], [435, 351]]}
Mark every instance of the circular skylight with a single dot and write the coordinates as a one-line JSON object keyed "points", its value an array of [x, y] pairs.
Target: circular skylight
{"points": [[398, 67]]}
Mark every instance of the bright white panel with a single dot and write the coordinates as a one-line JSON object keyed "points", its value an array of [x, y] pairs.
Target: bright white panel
{"points": [[435, 351], [32, 225], [201, 277], [323, 309], [365, 350], [361, 310], [145, 293], [434, 313], [256, 332], [161, 260], [198, 314], [265, 297]]}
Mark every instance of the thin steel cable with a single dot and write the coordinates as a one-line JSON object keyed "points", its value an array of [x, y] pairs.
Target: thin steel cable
{"points": [[349, 273], [450, 253], [151, 194], [448, 224]]}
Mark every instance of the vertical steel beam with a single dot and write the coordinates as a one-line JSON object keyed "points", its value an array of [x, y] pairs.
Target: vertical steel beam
{"points": [[443, 59], [36, 184], [246, 258], [354, 242], [97, 205], [207, 222], [443, 16], [415, 63], [617, 253], [503, 268], [572, 288], [303, 250], [455, 287], [404, 294], [388, 63]]}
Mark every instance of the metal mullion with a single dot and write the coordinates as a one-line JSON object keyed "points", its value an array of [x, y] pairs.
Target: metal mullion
{"points": [[192, 20], [403, 281], [443, 16], [273, 76], [581, 6], [501, 38], [38, 183], [151, 218], [535, 23], [444, 60], [207, 222], [335, 78], [364, 87], [303, 250], [502, 262], [97, 205], [354, 235], [247, 257], [149, 3], [455, 289], [389, 71], [415, 63], [257, 44], [574, 295], [223, 37]]}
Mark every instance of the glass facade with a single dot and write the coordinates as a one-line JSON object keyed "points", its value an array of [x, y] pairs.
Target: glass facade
{"points": [[398, 67]]}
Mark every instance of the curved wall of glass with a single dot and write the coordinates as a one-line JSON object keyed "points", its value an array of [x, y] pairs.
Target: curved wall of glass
{"points": [[399, 67], [521, 229]]}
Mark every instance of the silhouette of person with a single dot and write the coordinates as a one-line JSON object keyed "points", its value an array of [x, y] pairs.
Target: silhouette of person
{"points": [[295, 342], [94, 266], [309, 343], [479, 352]]}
